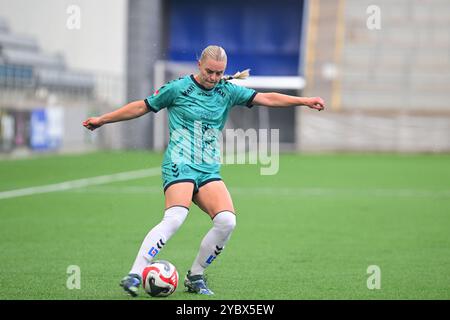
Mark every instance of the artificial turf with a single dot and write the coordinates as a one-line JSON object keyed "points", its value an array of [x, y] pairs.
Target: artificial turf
{"points": [[308, 232]]}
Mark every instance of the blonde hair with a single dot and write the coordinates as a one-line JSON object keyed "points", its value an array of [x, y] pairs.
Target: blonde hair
{"points": [[218, 53], [214, 52], [239, 75]]}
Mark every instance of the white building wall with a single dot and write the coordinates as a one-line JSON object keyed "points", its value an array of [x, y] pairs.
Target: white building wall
{"points": [[390, 86]]}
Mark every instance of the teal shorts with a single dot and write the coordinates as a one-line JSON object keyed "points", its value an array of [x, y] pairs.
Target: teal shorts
{"points": [[175, 173]]}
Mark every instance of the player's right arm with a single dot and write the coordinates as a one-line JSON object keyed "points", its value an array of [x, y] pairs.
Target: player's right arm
{"points": [[129, 111]]}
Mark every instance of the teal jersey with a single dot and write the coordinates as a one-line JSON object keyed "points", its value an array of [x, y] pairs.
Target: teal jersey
{"points": [[196, 118]]}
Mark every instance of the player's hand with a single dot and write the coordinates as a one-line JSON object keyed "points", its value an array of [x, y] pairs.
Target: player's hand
{"points": [[316, 103], [92, 123]]}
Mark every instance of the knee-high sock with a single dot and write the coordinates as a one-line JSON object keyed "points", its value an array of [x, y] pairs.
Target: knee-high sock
{"points": [[214, 241], [158, 237]]}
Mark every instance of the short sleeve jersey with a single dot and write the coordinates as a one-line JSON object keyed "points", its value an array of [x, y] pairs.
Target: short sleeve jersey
{"points": [[197, 116]]}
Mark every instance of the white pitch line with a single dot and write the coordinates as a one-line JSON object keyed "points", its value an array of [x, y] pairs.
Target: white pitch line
{"points": [[80, 183]]}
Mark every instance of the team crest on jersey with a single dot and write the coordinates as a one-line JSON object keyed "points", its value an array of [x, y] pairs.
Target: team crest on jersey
{"points": [[220, 91]]}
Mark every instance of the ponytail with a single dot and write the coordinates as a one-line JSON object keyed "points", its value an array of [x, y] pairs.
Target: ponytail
{"points": [[218, 53], [239, 75]]}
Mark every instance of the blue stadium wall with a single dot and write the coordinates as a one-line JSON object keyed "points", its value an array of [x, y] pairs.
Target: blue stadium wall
{"points": [[262, 35]]}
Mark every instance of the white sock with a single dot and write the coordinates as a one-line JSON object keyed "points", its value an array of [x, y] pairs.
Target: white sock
{"points": [[158, 237], [214, 241]]}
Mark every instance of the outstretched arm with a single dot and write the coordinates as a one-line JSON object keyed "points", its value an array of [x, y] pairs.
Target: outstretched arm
{"points": [[273, 99], [129, 111]]}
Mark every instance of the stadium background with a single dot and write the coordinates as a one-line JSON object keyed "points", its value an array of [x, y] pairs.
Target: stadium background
{"points": [[372, 171]]}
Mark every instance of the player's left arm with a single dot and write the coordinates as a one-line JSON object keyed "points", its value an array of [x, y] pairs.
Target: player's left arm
{"points": [[274, 99]]}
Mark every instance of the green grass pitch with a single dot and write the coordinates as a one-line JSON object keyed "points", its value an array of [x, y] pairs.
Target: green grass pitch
{"points": [[308, 232]]}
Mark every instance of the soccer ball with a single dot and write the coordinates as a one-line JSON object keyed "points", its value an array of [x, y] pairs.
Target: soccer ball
{"points": [[160, 278]]}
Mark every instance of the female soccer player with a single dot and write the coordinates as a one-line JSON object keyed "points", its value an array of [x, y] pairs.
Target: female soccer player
{"points": [[197, 105]]}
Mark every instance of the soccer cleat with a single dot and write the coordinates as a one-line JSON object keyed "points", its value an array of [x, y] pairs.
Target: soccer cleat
{"points": [[196, 284], [131, 283]]}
